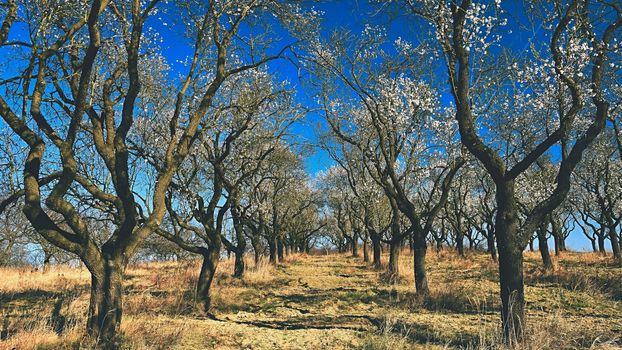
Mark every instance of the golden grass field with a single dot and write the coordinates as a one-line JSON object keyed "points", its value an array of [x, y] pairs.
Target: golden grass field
{"points": [[322, 302]]}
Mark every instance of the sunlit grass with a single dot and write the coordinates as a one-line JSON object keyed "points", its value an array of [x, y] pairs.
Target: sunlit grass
{"points": [[323, 302]]}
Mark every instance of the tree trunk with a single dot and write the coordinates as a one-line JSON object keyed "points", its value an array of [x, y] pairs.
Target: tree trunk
{"points": [[544, 249], [239, 267], [492, 249], [601, 244], [375, 242], [272, 249], [355, 244], [240, 248], [615, 246], [105, 306], [593, 241], [510, 263], [557, 234], [394, 259], [206, 276], [256, 249], [257, 257], [279, 249], [46, 261], [421, 279], [460, 243], [365, 251]]}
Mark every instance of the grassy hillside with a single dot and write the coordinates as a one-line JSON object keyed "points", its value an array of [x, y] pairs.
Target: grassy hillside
{"points": [[322, 302]]}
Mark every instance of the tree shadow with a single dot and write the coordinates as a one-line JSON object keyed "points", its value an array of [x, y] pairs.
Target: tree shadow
{"points": [[20, 311], [425, 334], [607, 284], [31, 295]]}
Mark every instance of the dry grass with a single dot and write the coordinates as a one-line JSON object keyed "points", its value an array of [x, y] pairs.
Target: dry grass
{"points": [[323, 302], [15, 280]]}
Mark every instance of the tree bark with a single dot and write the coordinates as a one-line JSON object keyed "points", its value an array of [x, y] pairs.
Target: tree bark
{"points": [[544, 248], [105, 304], [594, 249], [272, 250], [240, 266], [365, 251], [206, 276], [558, 235], [615, 246], [255, 243], [375, 242], [460, 243], [240, 248], [394, 258], [510, 263], [355, 243], [601, 244], [492, 249], [421, 279], [557, 243], [279, 249]]}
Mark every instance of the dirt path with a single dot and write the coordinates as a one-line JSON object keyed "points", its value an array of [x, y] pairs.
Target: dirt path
{"points": [[318, 302], [317, 293]]}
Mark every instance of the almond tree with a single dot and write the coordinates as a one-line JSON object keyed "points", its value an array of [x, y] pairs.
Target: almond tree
{"points": [[598, 182], [81, 73], [366, 199], [230, 149], [394, 122], [566, 103]]}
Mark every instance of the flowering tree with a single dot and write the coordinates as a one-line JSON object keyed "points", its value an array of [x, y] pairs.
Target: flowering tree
{"points": [[81, 74], [561, 93], [394, 122], [599, 190], [230, 149], [461, 210]]}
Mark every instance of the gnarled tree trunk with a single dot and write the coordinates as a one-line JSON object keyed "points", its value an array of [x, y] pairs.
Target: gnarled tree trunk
{"points": [[510, 263], [210, 257], [272, 250], [105, 304], [460, 243], [375, 242], [421, 279], [544, 248], [394, 258]]}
